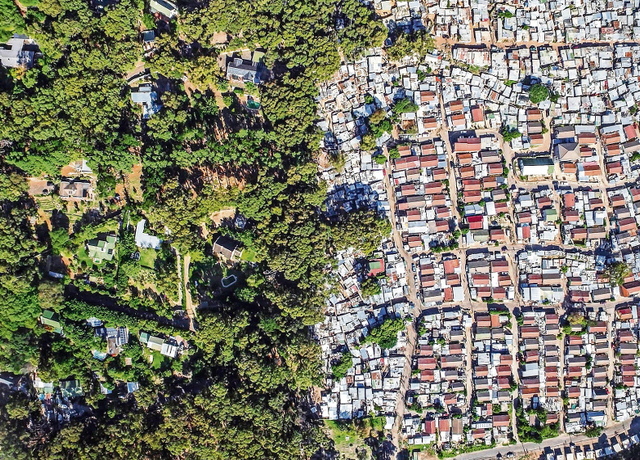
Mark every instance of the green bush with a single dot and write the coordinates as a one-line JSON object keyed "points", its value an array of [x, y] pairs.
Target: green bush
{"points": [[386, 334], [509, 134], [368, 142], [405, 105], [419, 43], [340, 370], [148, 21], [10, 20], [538, 93], [370, 286]]}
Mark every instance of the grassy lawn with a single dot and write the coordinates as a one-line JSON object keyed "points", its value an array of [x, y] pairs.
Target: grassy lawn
{"points": [[248, 255], [352, 434], [83, 256], [148, 258]]}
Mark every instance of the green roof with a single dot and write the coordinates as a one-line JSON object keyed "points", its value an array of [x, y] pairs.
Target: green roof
{"points": [[550, 215], [49, 320], [100, 250], [375, 264]]}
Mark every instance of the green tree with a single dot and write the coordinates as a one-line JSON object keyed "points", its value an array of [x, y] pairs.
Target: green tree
{"points": [[340, 369], [617, 272], [416, 43], [385, 334], [370, 287], [510, 134], [538, 93]]}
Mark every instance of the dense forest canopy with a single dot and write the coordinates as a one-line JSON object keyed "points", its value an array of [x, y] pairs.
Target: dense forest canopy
{"points": [[239, 392]]}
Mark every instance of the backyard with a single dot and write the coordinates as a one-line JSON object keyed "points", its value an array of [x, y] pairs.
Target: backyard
{"points": [[148, 258], [350, 436]]}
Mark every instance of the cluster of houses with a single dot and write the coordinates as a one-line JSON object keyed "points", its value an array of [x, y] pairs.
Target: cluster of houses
{"points": [[541, 276], [488, 275], [540, 364], [59, 403], [493, 377], [372, 382], [482, 188], [370, 84], [439, 381], [115, 338], [588, 361], [548, 276], [626, 381], [584, 216], [536, 216], [423, 203], [603, 448], [564, 21], [585, 280], [440, 279]]}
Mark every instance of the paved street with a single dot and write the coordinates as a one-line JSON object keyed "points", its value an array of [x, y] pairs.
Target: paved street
{"points": [[628, 427]]}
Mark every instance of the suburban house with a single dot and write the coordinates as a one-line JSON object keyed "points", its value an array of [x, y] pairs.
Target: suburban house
{"points": [[164, 8], [18, 52], [115, 337], [100, 250], [148, 40], [166, 348], [227, 249], [144, 240], [75, 190], [71, 388], [241, 71], [148, 99]]}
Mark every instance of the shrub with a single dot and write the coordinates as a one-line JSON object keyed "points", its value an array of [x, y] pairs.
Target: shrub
{"points": [[340, 370], [509, 134], [370, 287], [405, 105], [386, 334], [538, 93]]}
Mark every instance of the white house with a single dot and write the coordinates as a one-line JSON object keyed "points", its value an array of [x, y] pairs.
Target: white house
{"points": [[144, 240]]}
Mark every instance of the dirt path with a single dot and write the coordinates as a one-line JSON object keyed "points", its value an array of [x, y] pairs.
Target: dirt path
{"points": [[21, 7], [187, 292], [180, 283], [514, 370], [416, 311]]}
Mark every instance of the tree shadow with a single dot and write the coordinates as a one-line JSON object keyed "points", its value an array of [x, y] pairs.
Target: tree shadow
{"points": [[381, 449], [59, 220]]}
